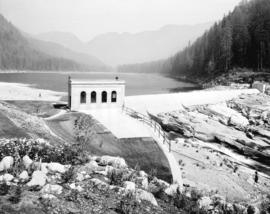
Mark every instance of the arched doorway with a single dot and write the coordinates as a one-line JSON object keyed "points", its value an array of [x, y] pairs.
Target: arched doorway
{"points": [[83, 97], [114, 97], [104, 97], [93, 97]]}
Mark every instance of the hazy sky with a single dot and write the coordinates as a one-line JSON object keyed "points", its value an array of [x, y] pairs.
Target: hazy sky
{"points": [[87, 18]]}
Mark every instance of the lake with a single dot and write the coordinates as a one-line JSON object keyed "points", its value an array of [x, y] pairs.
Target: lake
{"points": [[136, 83]]}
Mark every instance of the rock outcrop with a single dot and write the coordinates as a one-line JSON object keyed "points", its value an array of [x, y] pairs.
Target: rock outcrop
{"points": [[242, 124]]}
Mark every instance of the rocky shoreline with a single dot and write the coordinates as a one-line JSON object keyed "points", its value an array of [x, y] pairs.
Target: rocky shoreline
{"points": [[242, 124]]}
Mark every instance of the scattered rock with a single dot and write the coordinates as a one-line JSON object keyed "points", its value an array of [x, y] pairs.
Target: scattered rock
{"points": [[172, 189], [76, 187], [48, 196], [142, 182], [52, 189], [38, 179], [146, 196], [44, 167], [8, 177], [116, 162], [205, 203], [218, 199], [157, 185], [6, 163], [27, 161], [100, 184], [142, 173], [80, 176], [24, 175], [57, 167], [129, 186]]}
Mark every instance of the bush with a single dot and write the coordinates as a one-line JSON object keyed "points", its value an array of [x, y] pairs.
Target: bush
{"points": [[265, 206], [189, 204], [4, 188], [68, 175], [16, 195], [36, 150], [128, 205], [152, 174], [116, 177]]}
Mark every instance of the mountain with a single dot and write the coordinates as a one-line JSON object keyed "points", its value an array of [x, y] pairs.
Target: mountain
{"points": [[56, 50], [124, 48], [65, 39], [115, 48], [21, 52], [240, 40]]}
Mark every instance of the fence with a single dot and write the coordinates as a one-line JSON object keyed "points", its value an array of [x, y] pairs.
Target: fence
{"points": [[150, 122]]}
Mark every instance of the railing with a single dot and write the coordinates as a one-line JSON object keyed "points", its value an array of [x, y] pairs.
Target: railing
{"points": [[150, 122]]}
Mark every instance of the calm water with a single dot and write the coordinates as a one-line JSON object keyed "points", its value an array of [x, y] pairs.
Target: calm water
{"points": [[136, 84]]}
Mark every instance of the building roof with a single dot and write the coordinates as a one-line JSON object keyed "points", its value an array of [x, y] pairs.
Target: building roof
{"points": [[96, 82]]}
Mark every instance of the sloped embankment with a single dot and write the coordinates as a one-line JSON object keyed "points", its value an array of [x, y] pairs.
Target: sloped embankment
{"points": [[16, 122], [83, 129]]}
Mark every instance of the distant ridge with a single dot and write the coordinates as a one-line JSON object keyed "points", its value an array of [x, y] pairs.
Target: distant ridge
{"points": [[122, 48], [19, 52]]}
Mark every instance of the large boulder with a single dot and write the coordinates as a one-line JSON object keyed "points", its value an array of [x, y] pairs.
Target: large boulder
{"points": [[145, 196], [38, 179], [116, 162], [6, 163]]}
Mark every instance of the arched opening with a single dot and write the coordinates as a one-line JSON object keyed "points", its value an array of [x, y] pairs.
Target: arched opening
{"points": [[114, 97], [93, 97], [83, 97], [104, 97]]}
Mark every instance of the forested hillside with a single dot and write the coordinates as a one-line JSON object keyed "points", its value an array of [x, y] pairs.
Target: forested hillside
{"points": [[241, 39], [17, 53]]}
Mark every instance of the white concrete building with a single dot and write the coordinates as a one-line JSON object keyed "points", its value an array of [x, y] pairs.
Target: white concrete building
{"points": [[95, 94]]}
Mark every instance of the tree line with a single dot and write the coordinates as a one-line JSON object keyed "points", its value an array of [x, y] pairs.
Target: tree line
{"points": [[17, 53], [240, 39]]}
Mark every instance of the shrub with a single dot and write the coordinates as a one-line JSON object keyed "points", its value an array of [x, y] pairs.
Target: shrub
{"points": [[128, 205], [265, 205], [64, 154], [16, 195], [116, 177], [68, 175], [189, 204], [4, 188], [152, 174]]}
